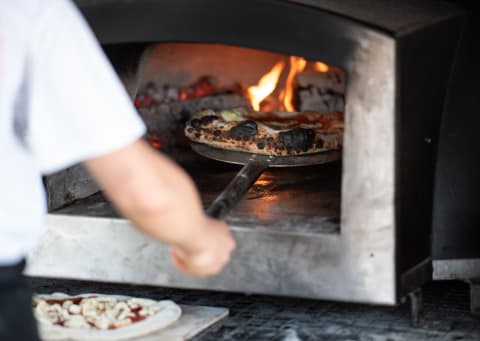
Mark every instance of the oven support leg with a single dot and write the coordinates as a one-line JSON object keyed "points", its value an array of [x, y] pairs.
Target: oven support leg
{"points": [[475, 296], [416, 301]]}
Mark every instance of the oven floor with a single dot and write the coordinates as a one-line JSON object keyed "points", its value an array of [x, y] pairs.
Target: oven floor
{"points": [[290, 319], [300, 200]]}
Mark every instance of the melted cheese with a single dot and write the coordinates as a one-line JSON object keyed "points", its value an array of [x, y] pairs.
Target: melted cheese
{"points": [[231, 116], [101, 312]]}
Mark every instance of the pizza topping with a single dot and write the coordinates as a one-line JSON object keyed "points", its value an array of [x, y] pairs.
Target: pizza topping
{"points": [[94, 312], [203, 121], [136, 303], [206, 120], [244, 130], [74, 309], [299, 138], [76, 321], [195, 123], [261, 144], [231, 116]]}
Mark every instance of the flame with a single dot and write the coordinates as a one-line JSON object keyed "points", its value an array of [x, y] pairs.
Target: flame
{"points": [[321, 67], [297, 64], [269, 82], [266, 85]]}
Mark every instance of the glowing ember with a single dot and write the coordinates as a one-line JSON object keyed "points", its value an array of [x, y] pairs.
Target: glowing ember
{"points": [[203, 87], [152, 95], [321, 67], [137, 102], [266, 85], [297, 64], [277, 89], [155, 143]]}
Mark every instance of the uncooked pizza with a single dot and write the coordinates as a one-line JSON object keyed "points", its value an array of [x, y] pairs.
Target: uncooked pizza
{"points": [[101, 317], [272, 133]]}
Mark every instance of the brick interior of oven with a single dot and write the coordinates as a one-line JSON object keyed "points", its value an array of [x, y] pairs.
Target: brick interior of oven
{"points": [[291, 200]]}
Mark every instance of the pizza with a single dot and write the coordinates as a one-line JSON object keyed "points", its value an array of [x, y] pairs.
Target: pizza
{"points": [[272, 133], [101, 317]]}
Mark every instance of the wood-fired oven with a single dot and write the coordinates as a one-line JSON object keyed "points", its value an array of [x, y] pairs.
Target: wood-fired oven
{"points": [[354, 230]]}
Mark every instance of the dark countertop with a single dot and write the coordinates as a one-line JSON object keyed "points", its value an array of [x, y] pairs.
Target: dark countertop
{"points": [[290, 319]]}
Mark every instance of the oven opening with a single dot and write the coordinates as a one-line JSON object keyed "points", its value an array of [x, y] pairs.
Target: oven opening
{"points": [[357, 229], [180, 79]]}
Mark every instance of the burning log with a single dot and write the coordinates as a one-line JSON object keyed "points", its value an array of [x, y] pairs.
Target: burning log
{"points": [[152, 95], [320, 91], [309, 86], [165, 109], [166, 121]]}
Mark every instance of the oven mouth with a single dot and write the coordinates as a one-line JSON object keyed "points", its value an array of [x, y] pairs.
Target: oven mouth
{"points": [[180, 79]]}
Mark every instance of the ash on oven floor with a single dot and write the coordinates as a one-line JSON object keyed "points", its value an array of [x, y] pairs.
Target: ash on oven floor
{"points": [[290, 319]]}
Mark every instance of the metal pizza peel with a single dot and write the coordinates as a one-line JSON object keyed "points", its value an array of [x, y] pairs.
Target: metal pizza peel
{"points": [[253, 166]]}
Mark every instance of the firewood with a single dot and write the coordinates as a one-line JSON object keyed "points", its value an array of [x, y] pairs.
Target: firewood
{"points": [[319, 91]]}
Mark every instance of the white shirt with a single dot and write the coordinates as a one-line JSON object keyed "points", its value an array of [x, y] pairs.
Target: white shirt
{"points": [[60, 103]]}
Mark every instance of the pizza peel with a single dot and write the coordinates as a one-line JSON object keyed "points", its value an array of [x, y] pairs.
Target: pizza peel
{"points": [[253, 166]]}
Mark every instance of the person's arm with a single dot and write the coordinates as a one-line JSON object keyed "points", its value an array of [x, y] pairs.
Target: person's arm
{"points": [[78, 110], [161, 199]]}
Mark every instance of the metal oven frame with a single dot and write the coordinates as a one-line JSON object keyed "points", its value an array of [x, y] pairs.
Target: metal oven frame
{"points": [[381, 251]]}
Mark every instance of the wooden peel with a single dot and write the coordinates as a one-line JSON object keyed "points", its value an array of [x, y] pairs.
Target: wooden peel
{"points": [[253, 167]]}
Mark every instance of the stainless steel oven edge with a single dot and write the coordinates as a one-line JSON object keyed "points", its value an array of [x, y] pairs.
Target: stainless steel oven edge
{"points": [[112, 250], [357, 264]]}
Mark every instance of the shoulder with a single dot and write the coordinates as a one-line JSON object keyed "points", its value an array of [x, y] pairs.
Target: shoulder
{"points": [[20, 10], [22, 16]]}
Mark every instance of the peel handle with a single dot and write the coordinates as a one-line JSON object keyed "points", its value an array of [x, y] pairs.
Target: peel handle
{"points": [[235, 190]]}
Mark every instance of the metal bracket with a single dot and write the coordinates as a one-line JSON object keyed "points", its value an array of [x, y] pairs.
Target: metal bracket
{"points": [[467, 270]]}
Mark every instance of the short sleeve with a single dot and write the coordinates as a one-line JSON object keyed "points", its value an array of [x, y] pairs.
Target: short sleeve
{"points": [[78, 108]]}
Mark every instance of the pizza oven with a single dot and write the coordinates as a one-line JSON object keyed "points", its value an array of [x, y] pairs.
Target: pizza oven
{"points": [[357, 229]]}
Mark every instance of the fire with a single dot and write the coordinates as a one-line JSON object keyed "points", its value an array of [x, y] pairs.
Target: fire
{"points": [[321, 67], [269, 82], [266, 85], [297, 64]]}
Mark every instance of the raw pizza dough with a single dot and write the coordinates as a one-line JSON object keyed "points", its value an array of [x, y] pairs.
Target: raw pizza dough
{"points": [[160, 314], [272, 133]]}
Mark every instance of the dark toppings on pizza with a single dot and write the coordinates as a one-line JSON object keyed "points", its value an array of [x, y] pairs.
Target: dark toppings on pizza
{"points": [[204, 121], [244, 130], [298, 138]]}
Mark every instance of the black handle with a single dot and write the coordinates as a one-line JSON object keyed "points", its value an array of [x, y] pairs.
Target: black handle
{"points": [[235, 190]]}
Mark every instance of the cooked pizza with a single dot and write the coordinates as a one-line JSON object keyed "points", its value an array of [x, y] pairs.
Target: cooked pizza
{"points": [[272, 133], [101, 317]]}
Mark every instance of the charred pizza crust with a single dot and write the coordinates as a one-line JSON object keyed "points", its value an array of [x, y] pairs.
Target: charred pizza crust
{"points": [[277, 133]]}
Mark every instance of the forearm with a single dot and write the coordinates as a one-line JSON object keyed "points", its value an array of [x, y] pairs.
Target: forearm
{"points": [[152, 191]]}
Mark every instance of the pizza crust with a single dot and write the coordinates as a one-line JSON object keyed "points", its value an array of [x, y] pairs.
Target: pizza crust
{"points": [[329, 142], [167, 314], [269, 133]]}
